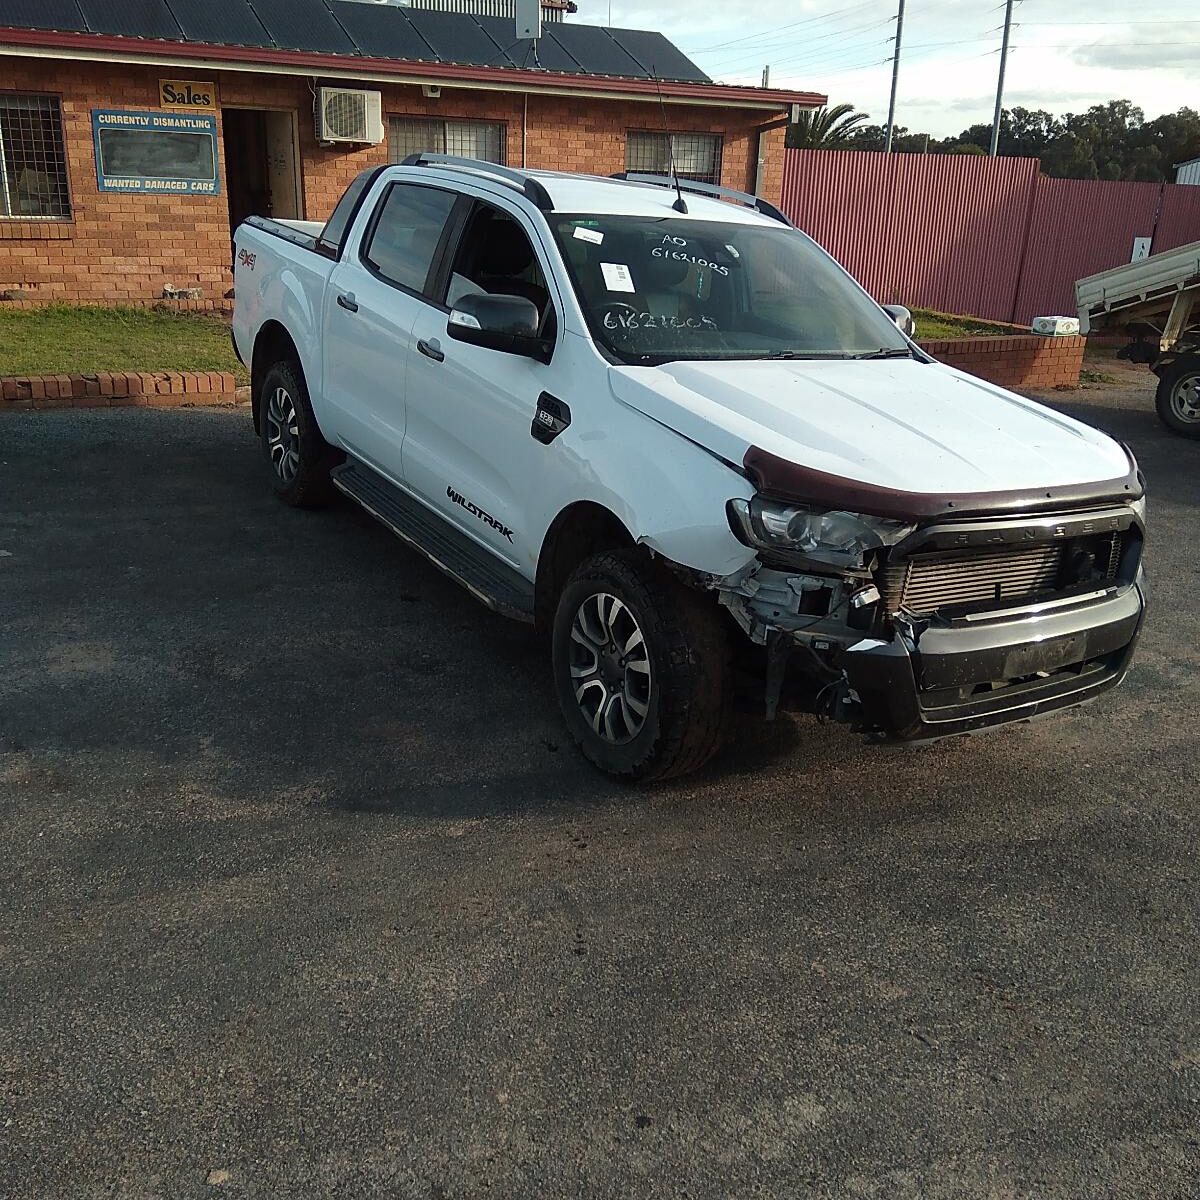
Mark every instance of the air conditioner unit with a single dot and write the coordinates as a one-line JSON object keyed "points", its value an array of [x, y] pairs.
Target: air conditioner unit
{"points": [[349, 115]]}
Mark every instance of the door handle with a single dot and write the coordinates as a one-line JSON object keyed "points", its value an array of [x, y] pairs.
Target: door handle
{"points": [[347, 301], [431, 350]]}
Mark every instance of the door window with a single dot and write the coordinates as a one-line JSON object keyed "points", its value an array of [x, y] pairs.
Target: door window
{"points": [[408, 228], [496, 256]]}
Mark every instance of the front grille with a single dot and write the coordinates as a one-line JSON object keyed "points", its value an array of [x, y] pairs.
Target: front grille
{"points": [[928, 583]]}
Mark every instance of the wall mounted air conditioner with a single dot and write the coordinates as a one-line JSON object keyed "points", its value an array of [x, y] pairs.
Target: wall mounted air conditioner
{"points": [[349, 115]]}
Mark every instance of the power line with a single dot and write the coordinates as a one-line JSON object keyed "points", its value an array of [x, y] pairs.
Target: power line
{"points": [[810, 68], [1099, 45], [752, 53], [1133, 21], [768, 33]]}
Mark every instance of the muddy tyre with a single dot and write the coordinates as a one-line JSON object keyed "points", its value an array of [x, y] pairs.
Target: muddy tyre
{"points": [[299, 457], [641, 668], [1178, 396]]}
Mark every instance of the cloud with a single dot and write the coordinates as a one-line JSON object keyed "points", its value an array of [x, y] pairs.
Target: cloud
{"points": [[1065, 57], [1117, 56]]}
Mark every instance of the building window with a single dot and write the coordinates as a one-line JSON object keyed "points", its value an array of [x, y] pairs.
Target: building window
{"points": [[468, 139], [697, 155], [33, 164]]}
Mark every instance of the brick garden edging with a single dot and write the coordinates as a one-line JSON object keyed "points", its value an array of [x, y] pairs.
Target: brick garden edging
{"points": [[112, 389], [221, 305], [1014, 362]]}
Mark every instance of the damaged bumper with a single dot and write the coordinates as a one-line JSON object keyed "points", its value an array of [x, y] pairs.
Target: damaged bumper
{"points": [[972, 675]]}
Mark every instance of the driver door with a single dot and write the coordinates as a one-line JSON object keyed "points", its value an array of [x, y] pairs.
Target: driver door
{"points": [[468, 449]]}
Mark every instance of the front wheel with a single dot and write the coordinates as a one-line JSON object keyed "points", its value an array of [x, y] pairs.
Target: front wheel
{"points": [[641, 668], [1178, 396]]}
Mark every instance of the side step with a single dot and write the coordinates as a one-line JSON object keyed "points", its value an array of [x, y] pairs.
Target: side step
{"points": [[485, 577]]}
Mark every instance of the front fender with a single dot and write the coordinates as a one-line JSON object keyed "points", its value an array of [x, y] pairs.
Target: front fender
{"points": [[667, 491]]}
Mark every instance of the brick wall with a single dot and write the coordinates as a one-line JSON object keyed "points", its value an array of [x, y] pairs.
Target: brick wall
{"points": [[113, 389], [123, 249], [1015, 362]]}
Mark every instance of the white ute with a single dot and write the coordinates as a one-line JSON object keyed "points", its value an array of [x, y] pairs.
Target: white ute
{"points": [[656, 419]]}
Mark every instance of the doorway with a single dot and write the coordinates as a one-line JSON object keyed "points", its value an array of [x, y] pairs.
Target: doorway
{"points": [[262, 176]]}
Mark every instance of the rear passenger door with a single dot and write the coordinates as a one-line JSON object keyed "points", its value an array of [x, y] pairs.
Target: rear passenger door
{"points": [[373, 300]]}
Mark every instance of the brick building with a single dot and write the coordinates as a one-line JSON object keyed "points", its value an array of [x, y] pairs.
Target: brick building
{"points": [[134, 134]]}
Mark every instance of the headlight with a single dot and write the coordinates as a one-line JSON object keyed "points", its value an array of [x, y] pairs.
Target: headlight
{"points": [[839, 539]]}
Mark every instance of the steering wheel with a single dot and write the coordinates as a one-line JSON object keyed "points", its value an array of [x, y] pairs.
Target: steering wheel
{"points": [[617, 306]]}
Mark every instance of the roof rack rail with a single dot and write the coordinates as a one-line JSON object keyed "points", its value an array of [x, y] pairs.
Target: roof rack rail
{"points": [[533, 191], [707, 189]]}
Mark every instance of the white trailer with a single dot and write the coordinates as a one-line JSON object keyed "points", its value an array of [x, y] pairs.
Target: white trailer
{"points": [[1156, 301]]}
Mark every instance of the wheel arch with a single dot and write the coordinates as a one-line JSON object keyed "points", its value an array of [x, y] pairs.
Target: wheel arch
{"points": [[272, 344], [580, 530]]}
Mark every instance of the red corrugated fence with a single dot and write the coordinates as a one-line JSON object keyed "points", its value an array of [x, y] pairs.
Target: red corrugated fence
{"points": [[967, 234]]}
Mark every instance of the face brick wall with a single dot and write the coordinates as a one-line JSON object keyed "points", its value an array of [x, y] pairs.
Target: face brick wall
{"points": [[122, 249], [1035, 363]]}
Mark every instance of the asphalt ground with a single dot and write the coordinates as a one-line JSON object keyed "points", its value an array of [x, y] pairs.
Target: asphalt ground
{"points": [[303, 892]]}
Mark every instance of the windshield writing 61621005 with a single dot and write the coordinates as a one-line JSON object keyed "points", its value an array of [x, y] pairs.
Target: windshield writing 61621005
{"points": [[654, 289]]}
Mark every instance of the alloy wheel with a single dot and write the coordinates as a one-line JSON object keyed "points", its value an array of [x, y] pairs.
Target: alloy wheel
{"points": [[610, 668], [283, 435], [1185, 398]]}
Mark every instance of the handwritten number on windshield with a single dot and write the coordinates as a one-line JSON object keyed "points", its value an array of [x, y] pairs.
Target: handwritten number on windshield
{"points": [[630, 319]]}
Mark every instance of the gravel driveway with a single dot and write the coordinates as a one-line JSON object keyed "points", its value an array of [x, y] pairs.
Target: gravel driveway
{"points": [[303, 893]]}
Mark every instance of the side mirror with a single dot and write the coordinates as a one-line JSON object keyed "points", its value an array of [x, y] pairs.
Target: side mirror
{"points": [[903, 318], [505, 323]]}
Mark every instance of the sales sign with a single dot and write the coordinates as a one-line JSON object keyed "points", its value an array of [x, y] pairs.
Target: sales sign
{"points": [[156, 153], [183, 93]]}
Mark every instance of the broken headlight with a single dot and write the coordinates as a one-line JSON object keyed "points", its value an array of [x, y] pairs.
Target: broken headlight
{"points": [[838, 539]]}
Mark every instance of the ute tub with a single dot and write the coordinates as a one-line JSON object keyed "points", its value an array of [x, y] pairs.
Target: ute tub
{"points": [[962, 678]]}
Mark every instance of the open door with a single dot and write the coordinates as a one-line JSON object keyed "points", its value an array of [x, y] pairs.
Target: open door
{"points": [[262, 174]]}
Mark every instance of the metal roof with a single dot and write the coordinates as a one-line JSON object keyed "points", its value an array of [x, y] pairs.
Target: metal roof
{"points": [[348, 29]]}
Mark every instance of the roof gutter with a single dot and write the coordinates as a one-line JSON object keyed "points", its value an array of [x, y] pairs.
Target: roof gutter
{"points": [[86, 47]]}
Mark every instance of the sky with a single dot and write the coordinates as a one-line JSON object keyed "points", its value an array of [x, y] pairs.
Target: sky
{"points": [[1066, 54]]}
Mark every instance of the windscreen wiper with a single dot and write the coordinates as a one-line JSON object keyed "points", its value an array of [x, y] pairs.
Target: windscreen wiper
{"points": [[894, 352]]}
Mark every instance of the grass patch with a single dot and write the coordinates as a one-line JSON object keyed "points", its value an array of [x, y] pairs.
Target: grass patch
{"points": [[934, 325], [69, 340]]}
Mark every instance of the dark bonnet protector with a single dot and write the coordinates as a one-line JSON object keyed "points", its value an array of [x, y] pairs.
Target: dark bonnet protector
{"points": [[803, 485]]}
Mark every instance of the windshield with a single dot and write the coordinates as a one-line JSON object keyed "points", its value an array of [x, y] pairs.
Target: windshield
{"points": [[655, 289]]}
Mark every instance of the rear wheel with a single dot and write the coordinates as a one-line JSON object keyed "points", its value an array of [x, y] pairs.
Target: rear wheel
{"points": [[641, 668], [1178, 396], [299, 457]]}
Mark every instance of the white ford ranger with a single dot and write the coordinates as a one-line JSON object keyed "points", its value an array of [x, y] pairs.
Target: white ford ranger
{"points": [[662, 423]]}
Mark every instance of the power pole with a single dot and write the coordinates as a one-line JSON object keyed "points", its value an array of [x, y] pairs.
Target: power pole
{"points": [[891, 121], [995, 146], [767, 76]]}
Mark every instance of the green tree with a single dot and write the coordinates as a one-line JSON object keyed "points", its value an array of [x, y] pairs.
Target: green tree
{"points": [[824, 128], [1176, 136], [1107, 141]]}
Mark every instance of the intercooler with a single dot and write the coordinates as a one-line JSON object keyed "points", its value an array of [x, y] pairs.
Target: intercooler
{"points": [[931, 582]]}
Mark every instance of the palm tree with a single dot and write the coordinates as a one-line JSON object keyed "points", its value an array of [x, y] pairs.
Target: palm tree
{"points": [[824, 128]]}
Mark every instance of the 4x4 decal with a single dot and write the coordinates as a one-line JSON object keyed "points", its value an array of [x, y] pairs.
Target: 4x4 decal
{"points": [[476, 511]]}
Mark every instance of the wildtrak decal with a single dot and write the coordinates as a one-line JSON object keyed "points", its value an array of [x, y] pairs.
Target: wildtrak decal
{"points": [[475, 511]]}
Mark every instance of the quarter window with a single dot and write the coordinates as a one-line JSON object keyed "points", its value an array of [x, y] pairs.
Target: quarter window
{"points": [[33, 164], [467, 139], [697, 155], [406, 234]]}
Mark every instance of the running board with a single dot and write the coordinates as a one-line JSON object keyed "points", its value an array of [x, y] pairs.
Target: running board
{"points": [[499, 587]]}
